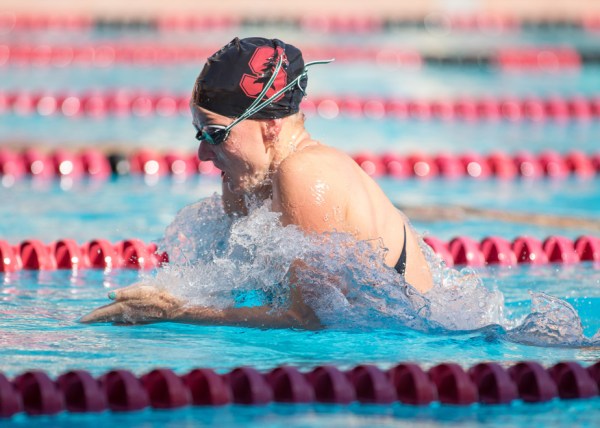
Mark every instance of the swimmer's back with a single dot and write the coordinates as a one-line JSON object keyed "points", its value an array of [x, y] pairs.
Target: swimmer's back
{"points": [[322, 189]]}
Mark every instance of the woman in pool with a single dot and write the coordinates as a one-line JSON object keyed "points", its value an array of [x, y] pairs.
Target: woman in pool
{"points": [[245, 108]]}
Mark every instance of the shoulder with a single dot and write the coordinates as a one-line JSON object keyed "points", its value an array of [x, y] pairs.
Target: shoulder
{"points": [[314, 162], [310, 186]]}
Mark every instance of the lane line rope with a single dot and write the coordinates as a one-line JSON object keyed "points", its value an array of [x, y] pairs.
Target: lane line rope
{"points": [[107, 54], [33, 254], [122, 103], [96, 164], [36, 393], [491, 22]]}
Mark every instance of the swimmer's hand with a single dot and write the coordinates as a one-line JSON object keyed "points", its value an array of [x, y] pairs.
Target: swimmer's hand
{"points": [[137, 304]]}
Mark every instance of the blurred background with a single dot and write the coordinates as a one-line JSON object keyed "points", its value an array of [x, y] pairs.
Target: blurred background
{"points": [[479, 118], [460, 103], [264, 8]]}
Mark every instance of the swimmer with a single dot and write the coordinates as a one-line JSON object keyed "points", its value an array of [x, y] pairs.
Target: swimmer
{"points": [[245, 110]]}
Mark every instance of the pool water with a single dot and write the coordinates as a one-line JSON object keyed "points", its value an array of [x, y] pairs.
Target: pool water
{"points": [[40, 309], [352, 135], [85, 209], [553, 414], [40, 329]]}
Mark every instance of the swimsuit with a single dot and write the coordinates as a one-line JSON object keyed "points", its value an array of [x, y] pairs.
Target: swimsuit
{"points": [[401, 263]]}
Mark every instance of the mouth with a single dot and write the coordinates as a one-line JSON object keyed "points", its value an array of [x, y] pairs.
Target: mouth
{"points": [[216, 165]]}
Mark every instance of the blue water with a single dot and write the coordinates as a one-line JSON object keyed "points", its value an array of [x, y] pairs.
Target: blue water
{"points": [[431, 82], [39, 329], [85, 210], [553, 414], [351, 135]]}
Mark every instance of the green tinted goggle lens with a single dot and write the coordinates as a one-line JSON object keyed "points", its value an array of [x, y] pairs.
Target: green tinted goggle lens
{"points": [[212, 134]]}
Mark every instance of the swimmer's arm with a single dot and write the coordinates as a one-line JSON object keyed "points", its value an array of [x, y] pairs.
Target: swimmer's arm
{"points": [[297, 315], [139, 304], [256, 316]]}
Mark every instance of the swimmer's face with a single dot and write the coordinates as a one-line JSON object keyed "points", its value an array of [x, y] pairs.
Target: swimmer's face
{"points": [[243, 156]]}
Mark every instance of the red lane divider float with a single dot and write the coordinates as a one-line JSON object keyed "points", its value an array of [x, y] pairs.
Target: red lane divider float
{"points": [[499, 165], [134, 254], [495, 250], [125, 103], [67, 254], [107, 54], [95, 164], [355, 24], [35, 393]]}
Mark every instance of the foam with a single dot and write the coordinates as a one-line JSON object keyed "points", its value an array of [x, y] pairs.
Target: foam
{"points": [[221, 261]]}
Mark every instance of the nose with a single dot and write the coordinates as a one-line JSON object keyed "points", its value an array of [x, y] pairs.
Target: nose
{"points": [[205, 152]]}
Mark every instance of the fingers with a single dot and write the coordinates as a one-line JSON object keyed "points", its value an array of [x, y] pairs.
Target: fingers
{"points": [[115, 312], [134, 304], [144, 295], [133, 292]]}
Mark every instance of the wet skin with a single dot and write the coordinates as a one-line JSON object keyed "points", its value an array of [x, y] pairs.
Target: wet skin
{"points": [[315, 187]]}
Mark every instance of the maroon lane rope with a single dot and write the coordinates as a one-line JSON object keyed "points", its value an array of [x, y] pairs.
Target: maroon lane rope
{"points": [[36, 393]]}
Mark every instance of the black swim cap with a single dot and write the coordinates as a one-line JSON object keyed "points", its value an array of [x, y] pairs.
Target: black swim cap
{"points": [[234, 76]]}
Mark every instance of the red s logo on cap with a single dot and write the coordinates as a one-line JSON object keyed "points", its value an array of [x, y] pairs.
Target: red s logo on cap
{"points": [[260, 64]]}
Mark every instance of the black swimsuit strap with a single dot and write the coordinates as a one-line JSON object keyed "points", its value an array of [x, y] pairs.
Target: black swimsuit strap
{"points": [[401, 263]]}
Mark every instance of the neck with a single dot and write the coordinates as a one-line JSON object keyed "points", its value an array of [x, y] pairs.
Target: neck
{"points": [[291, 136], [289, 139]]}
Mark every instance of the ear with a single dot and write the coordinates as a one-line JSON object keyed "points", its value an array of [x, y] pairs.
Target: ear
{"points": [[271, 129]]}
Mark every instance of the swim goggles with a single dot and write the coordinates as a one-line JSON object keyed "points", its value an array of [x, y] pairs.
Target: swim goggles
{"points": [[217, 134]]}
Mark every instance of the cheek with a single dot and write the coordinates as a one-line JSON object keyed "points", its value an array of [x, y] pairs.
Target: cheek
{"points": [[259, 160], [245, 153], [232, 151]]}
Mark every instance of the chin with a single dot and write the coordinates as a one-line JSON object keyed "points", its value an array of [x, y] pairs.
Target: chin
{"points": [[246, 185], [235, 188], [238, 186]]}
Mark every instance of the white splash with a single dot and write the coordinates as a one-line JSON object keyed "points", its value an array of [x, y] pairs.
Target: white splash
{"points": [[219, 261]]}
